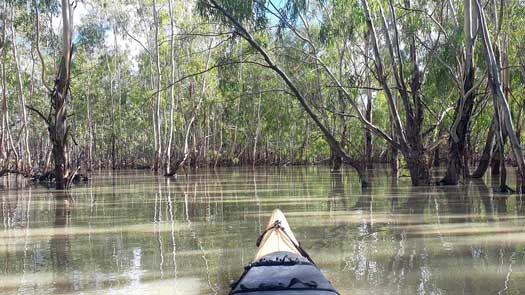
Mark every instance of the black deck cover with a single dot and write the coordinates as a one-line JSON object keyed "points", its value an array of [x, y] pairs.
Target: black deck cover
{"points": [[283, 273]]}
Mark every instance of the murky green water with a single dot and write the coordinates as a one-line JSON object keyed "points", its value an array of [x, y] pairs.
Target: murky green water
{"points": [[133, 233]]}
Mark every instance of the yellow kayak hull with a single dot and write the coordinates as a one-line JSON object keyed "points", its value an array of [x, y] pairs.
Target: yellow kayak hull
{"points": [[277, 239]]}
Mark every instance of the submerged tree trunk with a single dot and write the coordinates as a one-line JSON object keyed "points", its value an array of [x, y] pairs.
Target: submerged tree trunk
{"points": [[89, 127], [500, 101], [158, 149], [112, 95], [498, 164], [409, 136], [494, 163], [194, 115], [418, 167], [172, 87], [59, 129], [394, 152], [457, 167], [257, 128]]}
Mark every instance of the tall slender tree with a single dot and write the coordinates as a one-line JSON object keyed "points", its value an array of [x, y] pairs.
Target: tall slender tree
{"points": [[158, 80], [25, 156], [60, 95], [456, 166], [501, 107]]}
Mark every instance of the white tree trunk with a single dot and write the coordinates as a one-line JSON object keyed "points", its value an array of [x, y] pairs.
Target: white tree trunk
{"points": [[496, 87], [172, 87], [158, 151], [25, 156]]}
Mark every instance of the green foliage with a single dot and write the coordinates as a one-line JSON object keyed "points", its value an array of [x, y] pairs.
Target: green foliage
{"points": [[248, 12], [90, 35], [246, 107]]}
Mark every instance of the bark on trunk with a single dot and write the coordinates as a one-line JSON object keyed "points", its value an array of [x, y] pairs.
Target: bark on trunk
{"points": [[494, 163], [336, 163], [456, 167], [368, 135], [112, 97], [484, 161], [158, 150], [5, 124], [58, 130], [436, 160], [394, 152], [409, 136], [368, 112], [500, 100], [89, 127], [25, 155], [418, 167], [172, 86]]}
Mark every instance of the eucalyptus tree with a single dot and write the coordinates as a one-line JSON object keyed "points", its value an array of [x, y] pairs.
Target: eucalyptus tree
{"points": [[25, 155], [408, 135], [408, 83], [158, 82], [367, 77], [59, 129], [172, 74], [241, 14], [502, 112], [457, 165], [5, 134], [57, 119]]}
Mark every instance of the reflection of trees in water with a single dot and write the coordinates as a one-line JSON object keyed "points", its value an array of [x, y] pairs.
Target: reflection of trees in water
{"points": [[60, 245], [172, 211], [15, 208], [409, 262], [520, 205], [15, 213], [157, 221], [195, 235], [392, 238], [412, 250], [337, 189], [493, 204]]}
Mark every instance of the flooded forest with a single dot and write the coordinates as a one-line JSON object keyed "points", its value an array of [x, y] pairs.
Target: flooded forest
{"points": [[144, 144]]}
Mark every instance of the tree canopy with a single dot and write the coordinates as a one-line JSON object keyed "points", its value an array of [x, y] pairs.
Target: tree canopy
{"points": [[167, 84]]}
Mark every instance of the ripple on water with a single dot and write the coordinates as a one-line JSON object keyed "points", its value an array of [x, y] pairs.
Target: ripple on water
{"points": [[133, 233]]}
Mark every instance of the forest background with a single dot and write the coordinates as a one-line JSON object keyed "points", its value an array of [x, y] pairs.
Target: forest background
{"points": [[168, 84]]}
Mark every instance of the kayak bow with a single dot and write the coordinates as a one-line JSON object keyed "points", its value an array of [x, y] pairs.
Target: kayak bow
{"points": [[281, 266], [277, 237]]}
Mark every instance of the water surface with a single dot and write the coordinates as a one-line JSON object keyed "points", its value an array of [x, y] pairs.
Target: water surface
{"points": [[129, 232]]}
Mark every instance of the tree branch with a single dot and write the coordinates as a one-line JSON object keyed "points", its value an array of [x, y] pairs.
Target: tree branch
{"points": [[37, 46], [39, 114]]}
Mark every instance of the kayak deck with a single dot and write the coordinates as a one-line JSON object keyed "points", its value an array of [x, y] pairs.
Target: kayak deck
{"points": [[281, 266], [277, 239]]}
